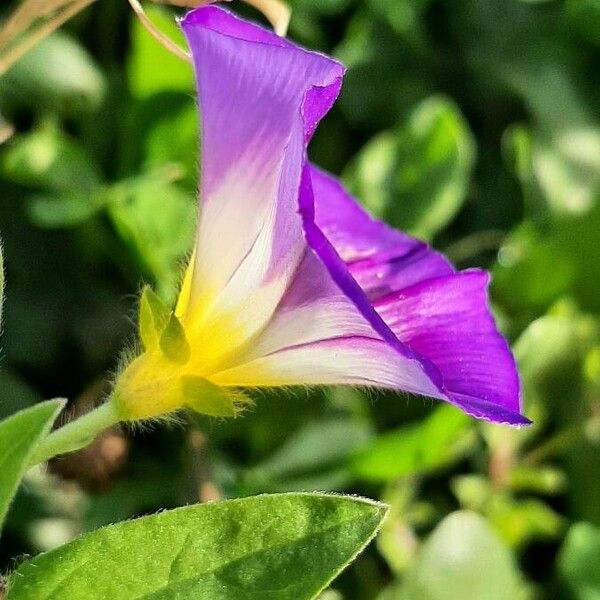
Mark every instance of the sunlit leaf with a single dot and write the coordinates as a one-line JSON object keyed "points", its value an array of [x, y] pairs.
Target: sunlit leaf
{"points": [[519, 522], [156, 219], [280, 547], [65, 211]]}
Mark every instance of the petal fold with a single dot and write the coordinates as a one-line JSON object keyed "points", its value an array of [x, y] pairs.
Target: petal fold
{"points": [[380, 258], [252, 87]]}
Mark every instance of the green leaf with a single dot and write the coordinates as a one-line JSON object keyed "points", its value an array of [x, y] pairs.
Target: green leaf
{"points": [[519, 521], [560, 177], [19, 436], [172, 138], [173, 342], [57, 74], [416, 177], [156, 219], [65, 211], [550, 354], [579, 561], [433, 443], [403, 15], [151, 68], [153, 318], [577, 237], [280, 547], [463, 558], [49, 159], [316, 454], [543, 270], [539, 480], [585, 15]]}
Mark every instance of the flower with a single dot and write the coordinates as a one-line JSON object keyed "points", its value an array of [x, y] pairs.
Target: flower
{"points": [[291, 281]]}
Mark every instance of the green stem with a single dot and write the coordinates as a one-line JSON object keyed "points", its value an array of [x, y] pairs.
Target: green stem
{"points": [[76, 434]]}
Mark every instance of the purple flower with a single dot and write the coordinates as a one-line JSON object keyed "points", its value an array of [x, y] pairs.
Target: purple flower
{"points": [[291, 281]]}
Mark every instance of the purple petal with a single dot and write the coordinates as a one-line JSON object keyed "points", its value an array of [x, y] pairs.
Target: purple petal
{"points": [[447, 320], [318, 336], [252, 86], [436, 316]]}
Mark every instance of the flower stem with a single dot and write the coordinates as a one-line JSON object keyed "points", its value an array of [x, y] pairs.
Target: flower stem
{"points": [[76, 434]]}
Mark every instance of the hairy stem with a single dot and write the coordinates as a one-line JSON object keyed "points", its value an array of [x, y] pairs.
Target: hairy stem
{"points": [[77, 434]]}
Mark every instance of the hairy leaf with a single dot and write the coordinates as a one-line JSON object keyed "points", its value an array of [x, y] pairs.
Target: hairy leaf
{"points": [[279, 547]]}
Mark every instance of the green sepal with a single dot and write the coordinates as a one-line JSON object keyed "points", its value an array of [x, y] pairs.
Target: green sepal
{"points": [[153, 318], [207, 398], [173, 342]]}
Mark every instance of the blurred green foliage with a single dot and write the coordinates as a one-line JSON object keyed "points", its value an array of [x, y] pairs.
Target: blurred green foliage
{"points": [[471, 123]]}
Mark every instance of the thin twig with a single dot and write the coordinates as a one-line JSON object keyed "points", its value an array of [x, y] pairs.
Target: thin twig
{"points": [[6, 131], [158, 35], [278, 13], [39, 34], [21, 18]]}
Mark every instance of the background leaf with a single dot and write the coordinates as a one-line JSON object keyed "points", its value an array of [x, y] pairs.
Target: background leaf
{"points": [[47, 158], [416, 177], [579, 561], [315, 457], [279, 547], [425, 446], [463, 558], [57, 73]]}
